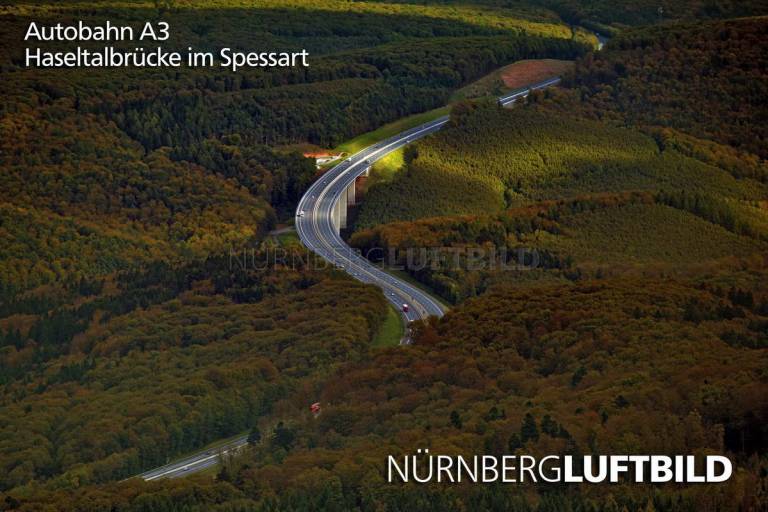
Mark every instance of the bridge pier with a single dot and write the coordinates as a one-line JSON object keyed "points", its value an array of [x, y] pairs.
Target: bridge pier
{"points": [[342, 206], [339, 214]]}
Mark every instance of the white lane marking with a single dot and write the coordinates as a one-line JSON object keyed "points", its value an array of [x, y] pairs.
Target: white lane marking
{"points": [[506, 100], [404, 290], [182, 467]]}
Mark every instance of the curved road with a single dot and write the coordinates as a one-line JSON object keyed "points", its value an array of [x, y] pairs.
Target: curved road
{"points": [[314, 216], [316, 231]]}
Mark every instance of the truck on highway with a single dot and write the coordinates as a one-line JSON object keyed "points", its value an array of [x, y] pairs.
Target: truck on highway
{"points": [[405, 308]]}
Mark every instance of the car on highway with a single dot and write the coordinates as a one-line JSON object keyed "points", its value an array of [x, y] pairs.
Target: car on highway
{"points": [[323, 238]]}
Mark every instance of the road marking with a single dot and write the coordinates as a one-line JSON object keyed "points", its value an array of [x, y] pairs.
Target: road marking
{"points": [[401, 290], [340, 175], [405, 290]]}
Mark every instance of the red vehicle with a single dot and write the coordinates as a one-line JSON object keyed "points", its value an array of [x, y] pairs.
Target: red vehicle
{"points": [[405, 308]]}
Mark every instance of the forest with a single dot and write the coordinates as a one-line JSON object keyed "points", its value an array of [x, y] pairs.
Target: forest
{"points": [[604, 192], [119, 164], [640, 233], [705, 80], [216, 346], [607, 16], [654, 99], [598, 366], [646, 172], [126, 335], [492, 158], [629, 207]]}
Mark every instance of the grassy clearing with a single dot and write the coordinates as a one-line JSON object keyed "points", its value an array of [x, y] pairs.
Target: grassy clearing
{"points": [[384, 170], [288, 238], [513, 76], [391, 331], [388, 130], [210, 471], [526, 72]]}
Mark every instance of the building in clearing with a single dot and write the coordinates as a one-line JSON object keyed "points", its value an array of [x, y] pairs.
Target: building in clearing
{"points": [[321, 158]]}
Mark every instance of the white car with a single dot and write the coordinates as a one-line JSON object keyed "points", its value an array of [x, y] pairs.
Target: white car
{"points": [[300, 214]]}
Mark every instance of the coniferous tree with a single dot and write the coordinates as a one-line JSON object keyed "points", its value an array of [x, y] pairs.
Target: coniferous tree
{"points": [[528, 430], [254, 436]]}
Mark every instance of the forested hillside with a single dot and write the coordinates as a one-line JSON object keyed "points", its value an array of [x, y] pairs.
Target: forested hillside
{"points": [[619, 13], [169, 360], [640, 186], [142, 318], [707, 80], [656, 100], [489, 159], [148, 164], [645, 175], [649, 161], [610, 366], [126, 334], [588, 368], [566, 240]]}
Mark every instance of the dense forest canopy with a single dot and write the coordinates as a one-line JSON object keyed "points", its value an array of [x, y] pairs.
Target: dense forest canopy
{"points": [[645, 173], [598, 236], [214, 345], [492, 159], [104, 149], [129, 334], [608, 15], [706, 80], [124, 193], [599, 178], [673, 97], [569, 369]]}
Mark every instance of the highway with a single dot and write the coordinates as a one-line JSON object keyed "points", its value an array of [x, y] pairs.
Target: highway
{"points": [[196, 462], [315, 228]]}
